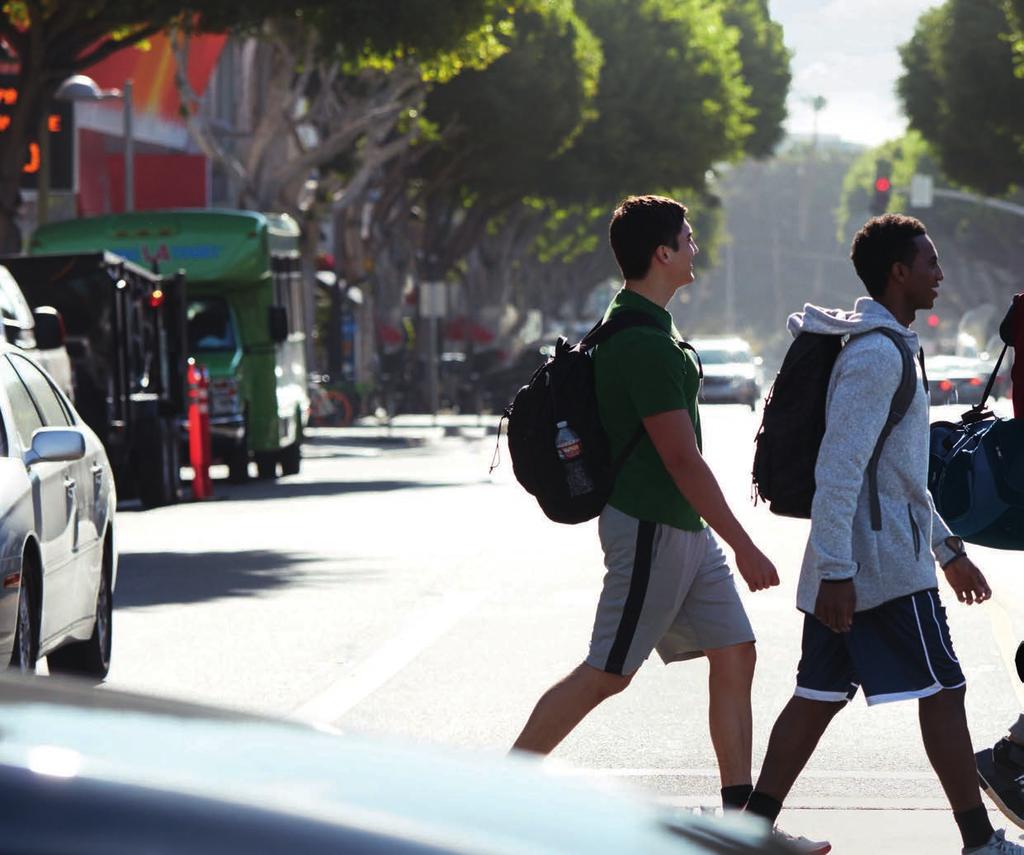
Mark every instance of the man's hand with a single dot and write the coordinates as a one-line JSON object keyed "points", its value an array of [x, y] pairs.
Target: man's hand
{"points": [[756, 569], [967, 581], [835, 604]]}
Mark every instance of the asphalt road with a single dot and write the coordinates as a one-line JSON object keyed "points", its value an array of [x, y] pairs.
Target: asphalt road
{"points": [[404, 590]]}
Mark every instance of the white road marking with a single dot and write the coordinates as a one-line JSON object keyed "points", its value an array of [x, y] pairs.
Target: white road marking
{"points": [[362, 681]]}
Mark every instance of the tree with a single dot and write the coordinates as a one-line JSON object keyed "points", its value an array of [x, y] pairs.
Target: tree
{"points": [[766, 71], [979, 247], [331, 97], [959, 50], [671, 101]]}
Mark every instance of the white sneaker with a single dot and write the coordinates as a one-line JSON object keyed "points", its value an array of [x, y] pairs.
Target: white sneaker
{"points": [[997, 845], [813, 847]]}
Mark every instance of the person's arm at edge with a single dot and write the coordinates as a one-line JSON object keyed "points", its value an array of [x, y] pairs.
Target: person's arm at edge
{"points": [[674, 439]]}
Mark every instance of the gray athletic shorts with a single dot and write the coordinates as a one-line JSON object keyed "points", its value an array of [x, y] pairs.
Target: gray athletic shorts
{"points": [[665, 589]]}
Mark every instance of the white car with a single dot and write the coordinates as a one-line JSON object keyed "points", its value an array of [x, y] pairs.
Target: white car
{"points": [[85, 772], [58, 560], [731, 371]]}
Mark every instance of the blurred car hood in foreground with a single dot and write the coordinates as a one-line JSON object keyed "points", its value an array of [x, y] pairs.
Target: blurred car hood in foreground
{"points": [[88, 770]]}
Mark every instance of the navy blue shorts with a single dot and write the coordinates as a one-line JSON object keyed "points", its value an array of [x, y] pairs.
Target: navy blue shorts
{"points": [[900, 649]]}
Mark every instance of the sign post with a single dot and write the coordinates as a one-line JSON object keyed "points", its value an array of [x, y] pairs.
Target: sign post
{"points": [[432, 307]]}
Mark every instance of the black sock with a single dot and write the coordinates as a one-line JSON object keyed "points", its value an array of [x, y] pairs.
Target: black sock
{"points": [[975, 828], [735, 797], [764, 806]]}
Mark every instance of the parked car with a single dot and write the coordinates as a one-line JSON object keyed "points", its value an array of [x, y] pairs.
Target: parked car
{"points": [[39, 332], [84, 771], [57, 501], [957, 379], [732, 374]]}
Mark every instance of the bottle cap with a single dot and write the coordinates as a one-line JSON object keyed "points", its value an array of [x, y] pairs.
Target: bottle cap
{"points": [[561, 424]]}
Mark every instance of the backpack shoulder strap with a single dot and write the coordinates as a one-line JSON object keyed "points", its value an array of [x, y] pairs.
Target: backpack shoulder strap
{"points": [[604, 330], [901, 401]]}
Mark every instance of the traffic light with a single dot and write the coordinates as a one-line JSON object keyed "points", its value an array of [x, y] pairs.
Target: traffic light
{"points": [[882, 188], [933, 320]]}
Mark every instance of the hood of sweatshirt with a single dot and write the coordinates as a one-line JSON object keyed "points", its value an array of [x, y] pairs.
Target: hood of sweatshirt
{"points": [[867, 315]]}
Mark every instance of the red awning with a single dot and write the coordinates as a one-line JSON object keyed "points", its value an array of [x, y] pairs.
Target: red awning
{"points": [[389, 334], [461, 329]]}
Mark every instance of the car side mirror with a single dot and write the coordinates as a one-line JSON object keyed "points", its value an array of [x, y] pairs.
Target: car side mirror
{"points": [[49, 328], [277, 317], [54, 444]]}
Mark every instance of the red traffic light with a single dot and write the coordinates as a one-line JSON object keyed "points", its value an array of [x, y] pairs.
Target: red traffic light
{"points": [[933, 320], [883, 184]]}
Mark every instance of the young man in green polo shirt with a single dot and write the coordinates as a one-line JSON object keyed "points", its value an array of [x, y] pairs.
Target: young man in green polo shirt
{"points": [[667, 585]]}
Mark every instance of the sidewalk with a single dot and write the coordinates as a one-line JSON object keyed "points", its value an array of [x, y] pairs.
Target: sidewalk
{"points": [[410, 429]]}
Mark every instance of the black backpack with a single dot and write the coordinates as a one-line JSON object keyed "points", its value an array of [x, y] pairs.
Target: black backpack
{"points": [[787, 443], [562, 389]]}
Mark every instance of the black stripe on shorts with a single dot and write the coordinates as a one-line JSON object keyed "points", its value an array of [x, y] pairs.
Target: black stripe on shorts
{"points": [[638, 583]]}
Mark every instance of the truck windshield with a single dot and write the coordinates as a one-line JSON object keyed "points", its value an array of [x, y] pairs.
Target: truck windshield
{"points": [[210, 326]]}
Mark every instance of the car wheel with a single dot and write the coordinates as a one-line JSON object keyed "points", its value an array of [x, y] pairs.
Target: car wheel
{"points": [[157, 466], [26, 635], [90, 658]]}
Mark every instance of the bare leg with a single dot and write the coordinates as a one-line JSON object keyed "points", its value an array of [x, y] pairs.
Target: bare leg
{"points": [[947, 742], [565, 705], [729, 718], [794, 737]]}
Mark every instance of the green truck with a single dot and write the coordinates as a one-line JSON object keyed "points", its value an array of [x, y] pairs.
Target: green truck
{"points": [[245, 317]]}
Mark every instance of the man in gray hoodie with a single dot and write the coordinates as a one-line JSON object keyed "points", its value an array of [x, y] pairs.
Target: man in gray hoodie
{"points": [[872, 613]]}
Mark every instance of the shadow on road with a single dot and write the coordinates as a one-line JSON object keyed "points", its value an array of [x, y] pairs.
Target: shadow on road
{"points": [[288, 490], [159, 578]]}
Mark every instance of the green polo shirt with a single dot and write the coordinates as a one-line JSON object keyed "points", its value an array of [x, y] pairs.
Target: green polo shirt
{"points": [[641, 372]]}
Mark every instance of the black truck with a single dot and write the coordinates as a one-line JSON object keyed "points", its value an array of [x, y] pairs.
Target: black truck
{"points": [[125, 336]]}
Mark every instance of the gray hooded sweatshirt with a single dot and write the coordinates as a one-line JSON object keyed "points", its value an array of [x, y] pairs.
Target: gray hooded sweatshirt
{"points": [[899, 559]]}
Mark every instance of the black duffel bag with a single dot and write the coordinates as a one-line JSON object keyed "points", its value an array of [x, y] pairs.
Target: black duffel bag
{"points": [[976, 475]]}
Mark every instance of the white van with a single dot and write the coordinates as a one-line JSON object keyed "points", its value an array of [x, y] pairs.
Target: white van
{"points": [[40, 333]]}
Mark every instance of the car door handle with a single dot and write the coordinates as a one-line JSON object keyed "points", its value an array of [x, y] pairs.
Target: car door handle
{"points": [[69, 486]]}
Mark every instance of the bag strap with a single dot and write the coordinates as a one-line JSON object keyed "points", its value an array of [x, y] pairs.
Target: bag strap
{"points": [[978, 411], [901, 401], [604, 330]]}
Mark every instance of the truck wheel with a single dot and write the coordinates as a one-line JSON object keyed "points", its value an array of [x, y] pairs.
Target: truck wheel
{"points": [[90, 658], [156, 466], [266, 465], [291, 456], [238, 462]]}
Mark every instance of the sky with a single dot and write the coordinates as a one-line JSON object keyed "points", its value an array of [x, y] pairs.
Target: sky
{"points": [[845, 50]]}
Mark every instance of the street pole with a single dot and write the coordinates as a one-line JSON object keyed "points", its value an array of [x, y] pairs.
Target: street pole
{"points": [[432, 365], [43, 175], [730, 289], [129, 148]]}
